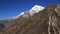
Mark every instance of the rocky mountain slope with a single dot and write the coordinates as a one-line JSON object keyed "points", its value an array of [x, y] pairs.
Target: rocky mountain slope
{"points": [[46, 21]]}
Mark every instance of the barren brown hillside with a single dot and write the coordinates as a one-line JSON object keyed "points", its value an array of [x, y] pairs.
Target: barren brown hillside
{"points": [[46, 21]]}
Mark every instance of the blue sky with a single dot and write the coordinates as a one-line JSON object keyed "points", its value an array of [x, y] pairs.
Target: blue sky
{"points": [[9, 8]]}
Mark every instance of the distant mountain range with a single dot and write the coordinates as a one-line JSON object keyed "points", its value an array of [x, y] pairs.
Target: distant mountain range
{"points": [[37, 20]]}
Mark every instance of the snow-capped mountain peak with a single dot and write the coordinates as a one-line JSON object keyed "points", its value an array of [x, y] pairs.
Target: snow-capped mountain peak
{"points": [[33, 10], [36, 9]]}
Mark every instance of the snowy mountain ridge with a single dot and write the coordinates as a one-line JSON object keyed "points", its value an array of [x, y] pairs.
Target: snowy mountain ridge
{"points": [[34, 9]]}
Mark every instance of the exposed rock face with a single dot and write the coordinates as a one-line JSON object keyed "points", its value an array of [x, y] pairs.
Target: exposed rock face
{"points": [[46, 21]]}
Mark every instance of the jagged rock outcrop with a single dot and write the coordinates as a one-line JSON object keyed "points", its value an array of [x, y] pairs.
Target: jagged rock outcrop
{"points": [[46, 21]]}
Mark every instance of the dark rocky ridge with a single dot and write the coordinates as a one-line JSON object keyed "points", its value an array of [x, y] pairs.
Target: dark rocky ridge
{"points": [[36, 24]]}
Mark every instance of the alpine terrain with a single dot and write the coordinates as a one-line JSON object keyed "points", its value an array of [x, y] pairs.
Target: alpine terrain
{"points": [[37, 20]]}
